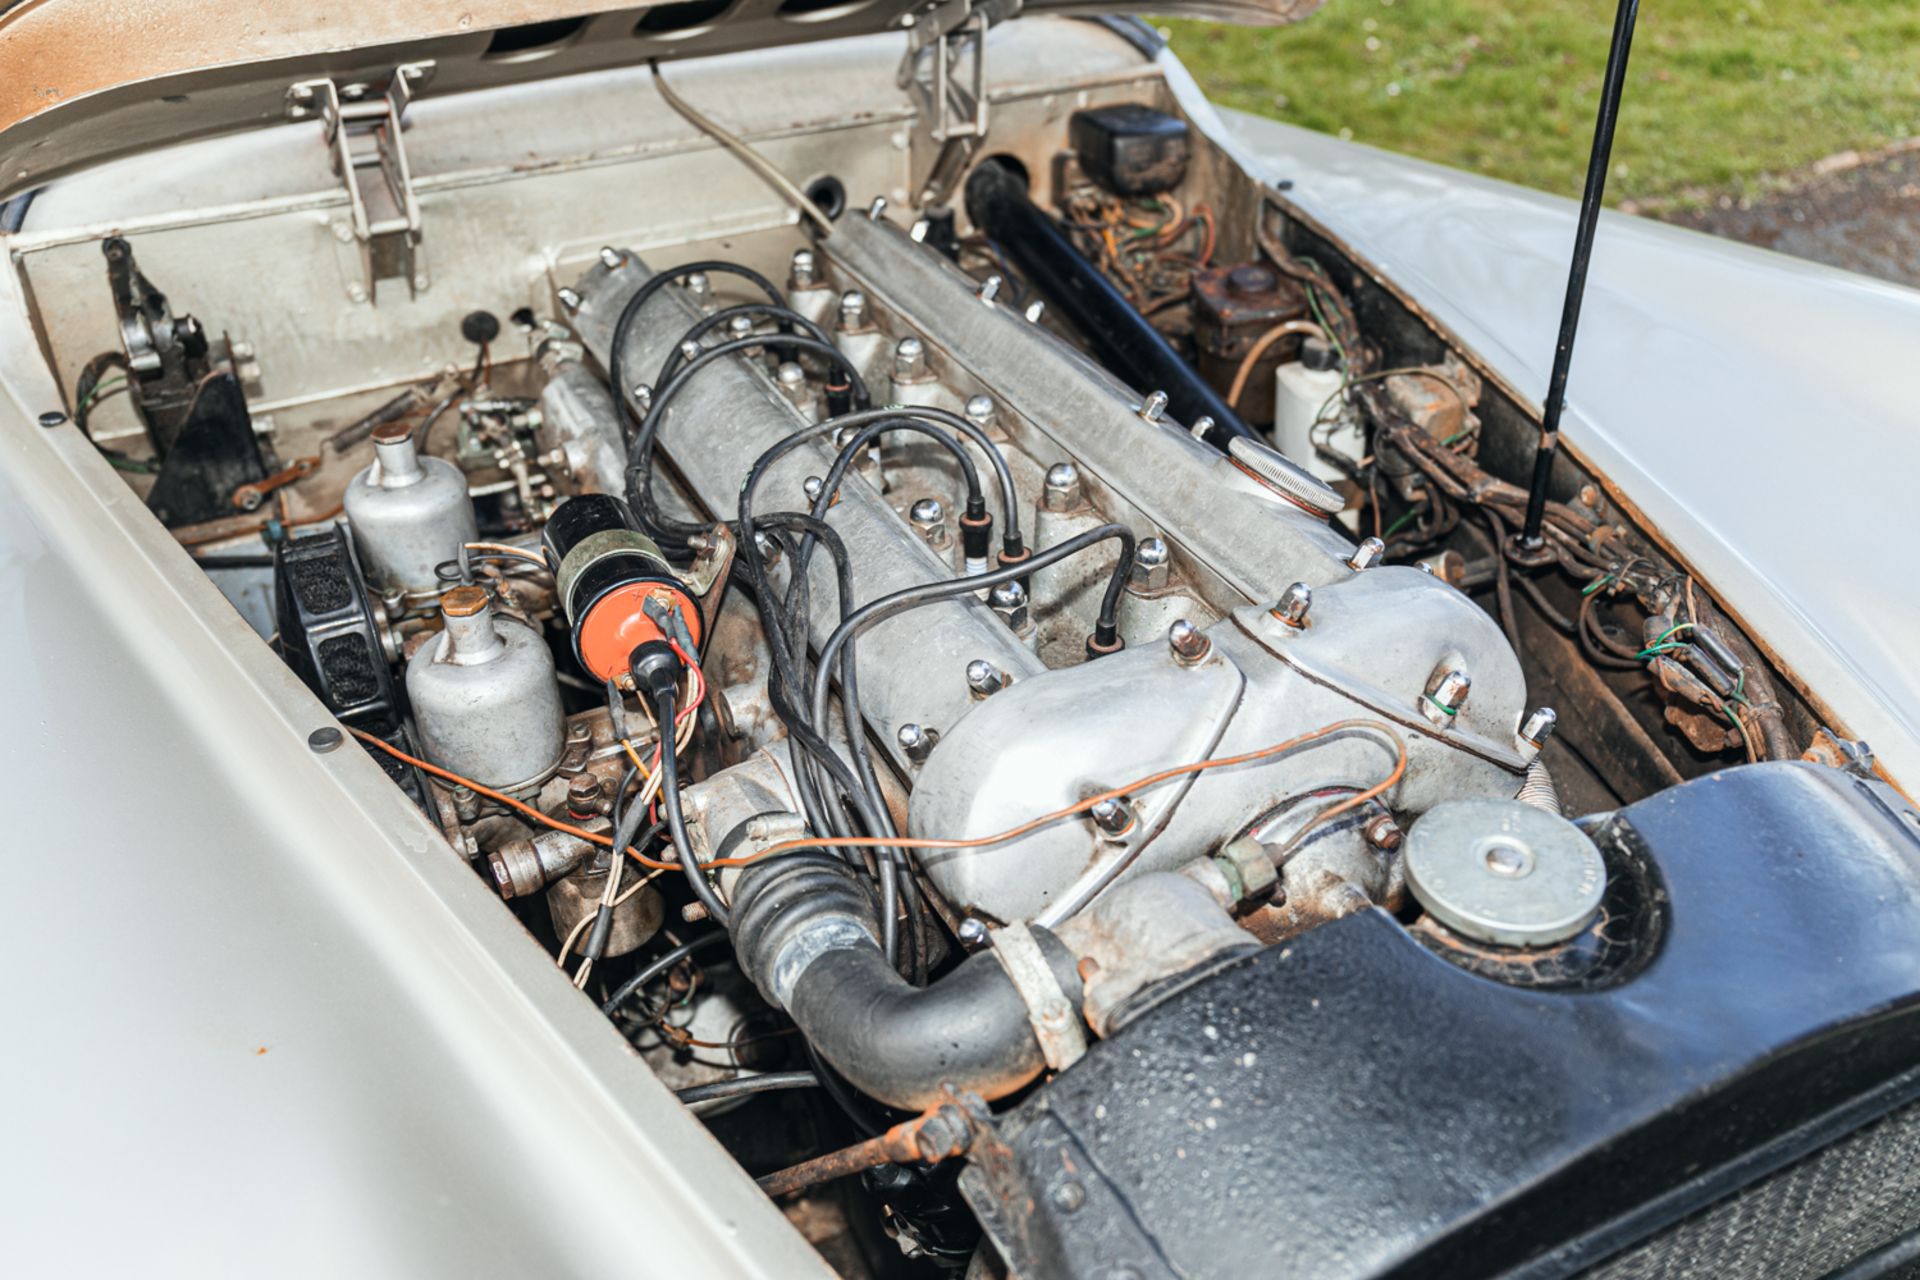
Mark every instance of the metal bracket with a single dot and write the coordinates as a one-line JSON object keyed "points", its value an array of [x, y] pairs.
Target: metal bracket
{"points": [[362, 129], [1063, 1040], [952, 108]]}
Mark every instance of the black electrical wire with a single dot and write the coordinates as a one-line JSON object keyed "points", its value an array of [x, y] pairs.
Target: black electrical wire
{"points": [[786, 316], [640, 446], [913, 597], [657, 966], [745, 1086], [663, 705]]}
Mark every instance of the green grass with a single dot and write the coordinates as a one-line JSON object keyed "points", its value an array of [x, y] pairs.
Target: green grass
{"points": [[1722, 95]]}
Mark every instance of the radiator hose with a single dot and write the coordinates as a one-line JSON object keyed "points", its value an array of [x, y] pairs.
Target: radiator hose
{"points": [[805, 932]]}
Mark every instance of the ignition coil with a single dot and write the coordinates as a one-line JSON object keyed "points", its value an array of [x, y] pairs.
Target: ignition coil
{"points": [[616, 587]]}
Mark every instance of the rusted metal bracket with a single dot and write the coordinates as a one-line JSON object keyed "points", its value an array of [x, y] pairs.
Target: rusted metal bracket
{"points": [[945, 70], [361, 125]]}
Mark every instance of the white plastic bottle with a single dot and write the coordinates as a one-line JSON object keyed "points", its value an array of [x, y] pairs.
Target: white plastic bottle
{"points": [[1302, 389]]}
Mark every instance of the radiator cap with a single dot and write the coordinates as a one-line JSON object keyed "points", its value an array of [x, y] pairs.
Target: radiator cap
{"points": [[1503, 872]]}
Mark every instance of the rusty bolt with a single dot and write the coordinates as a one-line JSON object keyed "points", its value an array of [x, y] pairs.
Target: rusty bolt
{"points": [[1384, 833]]}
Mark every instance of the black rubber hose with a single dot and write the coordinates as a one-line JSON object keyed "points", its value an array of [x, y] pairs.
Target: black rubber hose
{"points": [[892, 1041], [744, 1086], [1122, 339]]}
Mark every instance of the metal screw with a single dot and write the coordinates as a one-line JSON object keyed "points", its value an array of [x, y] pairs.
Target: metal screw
{"points": [[909, 359], [698, 285], [878, 208], [325, 739], [1446, 697], [1149, 565], [990, 289], [611, 258], [1293, 605], [917, 742], [1200, 427], [1539, 726], [1009, 600], [1034, 311], [1114, 817], [1366, 555], [805, 269], [583, 794], [1188, 642], [853, 311], [1068, 1196], [979, 411], [52, 418], [930, 518], [984, 679], [972, 931], [1062, 491], [569, 299], [1155, 407]]}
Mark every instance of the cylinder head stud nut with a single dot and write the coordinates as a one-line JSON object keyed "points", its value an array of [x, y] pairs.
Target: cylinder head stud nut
{"points": [[972, 932], [1536, 729], [929, 516], [979, 411], [878, 209], [793, 380], [805, 273], [1063, 489], [909, 360], [1155, 406], [1442, 703], [853, 311], [698, 287], [569, 299], [1113, 817], [1150, 566], [916, 741], [1009, 600], [1035, 310], [740, 327], [984, 679], [1367, 554], [1293, 605], [989, 289], [813, 486], [611, 258], [1201, 426], [1188, 642]]}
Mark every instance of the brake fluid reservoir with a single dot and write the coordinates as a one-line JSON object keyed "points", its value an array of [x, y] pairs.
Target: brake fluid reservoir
{"points": [[408, 513], [485, 696], [1303, 389]]}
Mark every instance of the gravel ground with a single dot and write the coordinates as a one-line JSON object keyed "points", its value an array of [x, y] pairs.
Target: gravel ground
{"points": [[1858, 212]]}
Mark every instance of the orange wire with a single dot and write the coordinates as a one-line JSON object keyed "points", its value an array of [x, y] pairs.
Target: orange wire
{"points": [[605, 842], [1140, 784]]}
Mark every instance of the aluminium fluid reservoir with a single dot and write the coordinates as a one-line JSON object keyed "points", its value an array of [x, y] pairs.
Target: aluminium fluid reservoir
{"points": [[409, 513], [485, 697]]}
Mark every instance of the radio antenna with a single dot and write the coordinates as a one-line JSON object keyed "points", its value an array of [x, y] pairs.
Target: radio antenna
{"points": [[1596, 187]]}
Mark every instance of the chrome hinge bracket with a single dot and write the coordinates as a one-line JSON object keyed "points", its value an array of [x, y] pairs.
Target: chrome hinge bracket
{"points": [[361, 125], [945, 71]]}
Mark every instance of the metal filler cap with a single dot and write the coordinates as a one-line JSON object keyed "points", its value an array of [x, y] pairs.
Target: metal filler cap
{"points": [[1285, 476], [1503, 872]]}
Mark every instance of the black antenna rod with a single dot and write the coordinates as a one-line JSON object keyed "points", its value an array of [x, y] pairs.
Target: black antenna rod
{"points": [[1597, 162]]}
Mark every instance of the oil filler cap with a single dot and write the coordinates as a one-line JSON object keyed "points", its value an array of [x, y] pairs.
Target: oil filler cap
{"points": [[1285, 476], [1503, 872]]}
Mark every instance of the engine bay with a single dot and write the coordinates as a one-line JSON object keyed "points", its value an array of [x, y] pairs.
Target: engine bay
{"points": [[913, 622]]}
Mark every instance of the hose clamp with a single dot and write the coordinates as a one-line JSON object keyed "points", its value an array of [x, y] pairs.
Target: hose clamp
{"points": [[1062, 1037]]}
